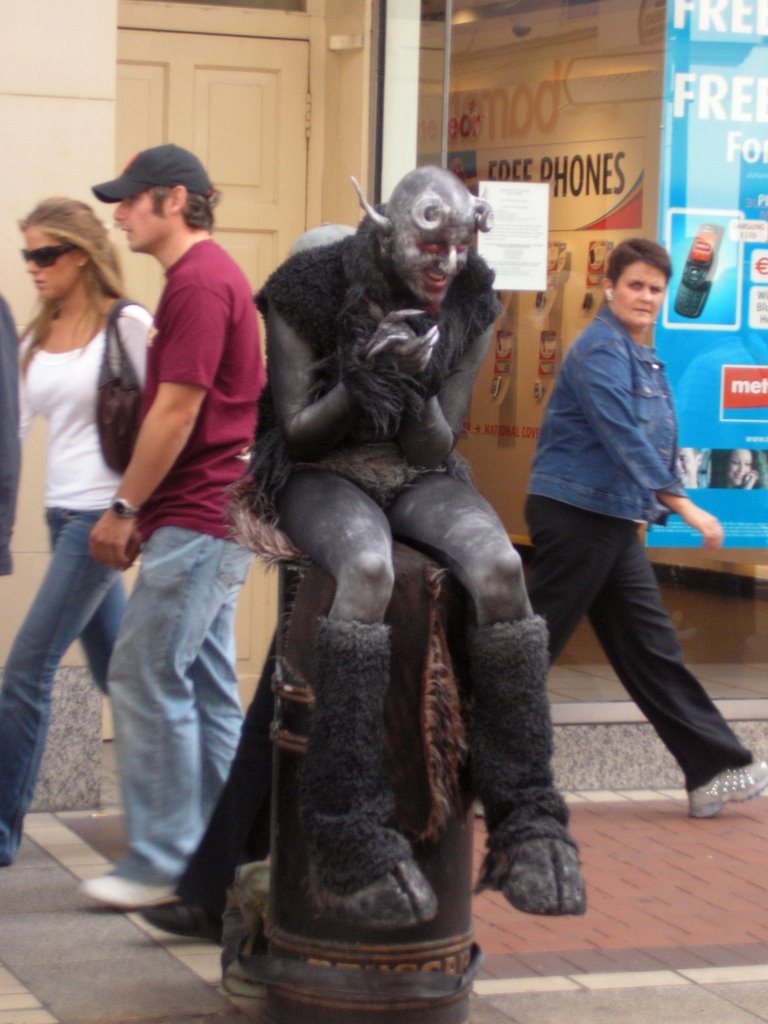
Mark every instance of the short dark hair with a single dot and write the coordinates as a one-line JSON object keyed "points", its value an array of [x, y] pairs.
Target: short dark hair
{"points": [[198, 211], [638, 249]]}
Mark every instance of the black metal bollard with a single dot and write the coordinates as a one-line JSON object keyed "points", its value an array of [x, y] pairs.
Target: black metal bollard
{"points": [[320, 970]]}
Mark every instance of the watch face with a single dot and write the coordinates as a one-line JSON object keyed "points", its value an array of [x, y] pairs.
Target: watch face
{"points": [[122, 509]]}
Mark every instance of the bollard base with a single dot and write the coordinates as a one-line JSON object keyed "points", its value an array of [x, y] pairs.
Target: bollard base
{"points": [[373, 990], [321, 970]]}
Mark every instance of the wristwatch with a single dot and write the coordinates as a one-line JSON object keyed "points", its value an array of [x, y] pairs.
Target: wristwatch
{"points": [[124, 509]]}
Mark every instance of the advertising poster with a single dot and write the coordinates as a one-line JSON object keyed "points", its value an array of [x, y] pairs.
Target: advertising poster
{"points": [[713, 217]]}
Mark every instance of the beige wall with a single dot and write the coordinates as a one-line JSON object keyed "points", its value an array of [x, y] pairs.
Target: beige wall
{"points": [[57, 111], [57, 77]]}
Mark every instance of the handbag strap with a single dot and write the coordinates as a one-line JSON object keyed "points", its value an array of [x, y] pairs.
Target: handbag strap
{"points": [[117, 364]]}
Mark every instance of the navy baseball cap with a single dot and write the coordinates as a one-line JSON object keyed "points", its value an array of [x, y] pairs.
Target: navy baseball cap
{"points": [[167, 165]]}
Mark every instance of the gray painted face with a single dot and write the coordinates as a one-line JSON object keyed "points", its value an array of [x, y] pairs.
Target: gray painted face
{"points": [[426, 230], [433, 217]]}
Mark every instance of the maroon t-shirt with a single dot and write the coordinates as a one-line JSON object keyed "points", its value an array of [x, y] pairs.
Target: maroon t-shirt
{"points": [[206, 333]]}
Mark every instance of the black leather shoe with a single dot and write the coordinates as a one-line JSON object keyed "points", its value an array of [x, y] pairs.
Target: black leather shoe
{"points": [[184, 919]]}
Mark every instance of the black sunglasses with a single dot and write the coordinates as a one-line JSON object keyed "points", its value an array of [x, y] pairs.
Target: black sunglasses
{"points": [[46, 255]]}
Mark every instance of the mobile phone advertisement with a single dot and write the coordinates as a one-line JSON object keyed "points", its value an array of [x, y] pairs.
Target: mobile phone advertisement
{"points": [[712, 333]]}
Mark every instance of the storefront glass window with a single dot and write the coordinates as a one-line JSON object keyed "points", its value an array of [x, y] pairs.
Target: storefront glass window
{"points": [[572, 93]]}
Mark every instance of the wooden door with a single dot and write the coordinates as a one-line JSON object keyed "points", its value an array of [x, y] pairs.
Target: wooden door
{"points": [[240, 104]]}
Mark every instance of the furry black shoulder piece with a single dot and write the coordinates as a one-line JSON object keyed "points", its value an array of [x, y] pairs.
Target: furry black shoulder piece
{"points": [[334, 297]]}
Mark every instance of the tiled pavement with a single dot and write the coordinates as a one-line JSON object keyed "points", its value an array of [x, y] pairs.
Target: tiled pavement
{"points": [[677, 929]]}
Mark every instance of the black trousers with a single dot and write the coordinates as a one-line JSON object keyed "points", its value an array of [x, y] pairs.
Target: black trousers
{"points": [[595, 565], [238, 831]]}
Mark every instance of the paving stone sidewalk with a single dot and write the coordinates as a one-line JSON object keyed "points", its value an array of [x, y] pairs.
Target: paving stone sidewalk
{"points": [[676, 929]]}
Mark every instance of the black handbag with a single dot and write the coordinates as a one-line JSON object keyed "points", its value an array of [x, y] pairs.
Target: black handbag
{"points": [[118, 397]]}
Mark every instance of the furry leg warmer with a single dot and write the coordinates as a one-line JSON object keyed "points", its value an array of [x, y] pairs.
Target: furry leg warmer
{"points": [[531, 858], [363, 869]]}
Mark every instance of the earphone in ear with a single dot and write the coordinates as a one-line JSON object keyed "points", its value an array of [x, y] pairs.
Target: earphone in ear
{"points": [[81, 263], [609, 293]]}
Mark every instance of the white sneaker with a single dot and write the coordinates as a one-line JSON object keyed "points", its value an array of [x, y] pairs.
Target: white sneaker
{"points": [[124, 894], [731, 784]]}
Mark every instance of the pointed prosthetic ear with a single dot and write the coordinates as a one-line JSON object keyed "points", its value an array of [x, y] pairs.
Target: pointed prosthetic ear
{"points": [[483, 215], [382, 223]]}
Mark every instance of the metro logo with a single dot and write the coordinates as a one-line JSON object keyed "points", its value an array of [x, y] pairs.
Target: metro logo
{"points": [[744, 387]]}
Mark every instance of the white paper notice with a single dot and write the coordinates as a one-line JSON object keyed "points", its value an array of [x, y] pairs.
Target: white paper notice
{"points": [[516, 246]]}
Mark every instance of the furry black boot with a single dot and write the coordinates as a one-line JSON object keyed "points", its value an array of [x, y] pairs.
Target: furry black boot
{"points": [[362, 869], [531, 858]]}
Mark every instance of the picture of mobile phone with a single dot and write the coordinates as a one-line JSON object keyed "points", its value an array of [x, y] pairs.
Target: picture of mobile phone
{"points": [[698, 272]]}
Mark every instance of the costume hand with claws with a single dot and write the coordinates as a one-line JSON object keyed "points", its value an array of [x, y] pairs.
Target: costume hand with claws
{"points": [[374, 343]]}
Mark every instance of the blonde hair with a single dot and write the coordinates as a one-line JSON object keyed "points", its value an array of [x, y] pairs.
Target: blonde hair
{"points": [[70, 221]]}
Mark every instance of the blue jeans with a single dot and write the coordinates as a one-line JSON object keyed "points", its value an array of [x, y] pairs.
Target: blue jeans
{"points": [[78, 597], [173, 686]]}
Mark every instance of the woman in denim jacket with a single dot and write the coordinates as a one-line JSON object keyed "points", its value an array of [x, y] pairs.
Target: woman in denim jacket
{"points": [[605, 464]]}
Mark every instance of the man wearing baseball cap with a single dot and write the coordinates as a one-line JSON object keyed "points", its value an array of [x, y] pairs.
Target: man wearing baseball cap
{"points": [[172, 678], [166, 166]]}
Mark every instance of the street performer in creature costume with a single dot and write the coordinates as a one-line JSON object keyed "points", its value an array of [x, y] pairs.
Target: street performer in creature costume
{"points": [[373, 345]]}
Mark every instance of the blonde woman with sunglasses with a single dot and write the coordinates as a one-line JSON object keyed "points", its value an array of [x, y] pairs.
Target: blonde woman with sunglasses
{"points": [[74, 269]]}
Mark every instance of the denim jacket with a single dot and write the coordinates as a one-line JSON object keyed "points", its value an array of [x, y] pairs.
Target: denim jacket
{"points": [[609, 434], [9, 433]]}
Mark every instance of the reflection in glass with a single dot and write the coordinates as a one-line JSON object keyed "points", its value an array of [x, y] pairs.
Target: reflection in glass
{"points": [[571, 93]]}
